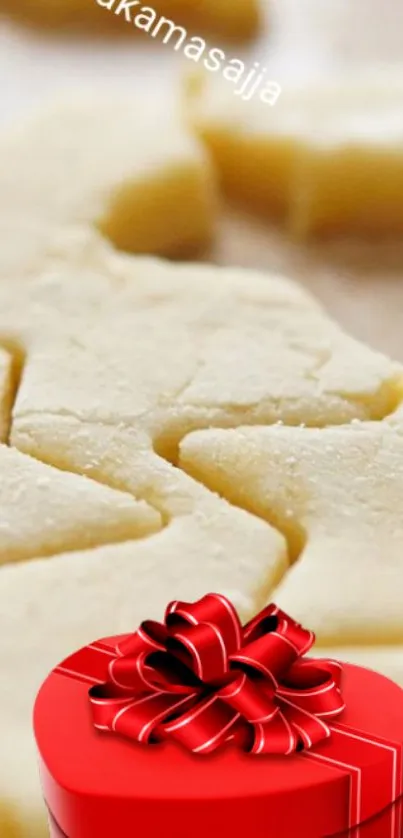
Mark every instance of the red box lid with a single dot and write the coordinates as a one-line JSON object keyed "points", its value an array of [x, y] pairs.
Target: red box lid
{"points": [[99, 785]]}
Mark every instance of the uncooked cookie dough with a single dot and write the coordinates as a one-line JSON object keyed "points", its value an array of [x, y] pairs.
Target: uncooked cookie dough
{"points": [[236, 19], [338, 495], [101, 162], [112, 477], [62, 511], [325, 158]]}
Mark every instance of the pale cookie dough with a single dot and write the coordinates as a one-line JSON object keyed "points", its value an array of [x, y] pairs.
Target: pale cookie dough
{"points": [[123, 358], [100, 162], [337, 493], [44, 511], [168, 348], [236, 19], [325, 158], [28, 247]]}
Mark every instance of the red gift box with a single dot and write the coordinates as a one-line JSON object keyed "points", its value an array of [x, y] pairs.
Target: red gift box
{"points": [[98, 784]]}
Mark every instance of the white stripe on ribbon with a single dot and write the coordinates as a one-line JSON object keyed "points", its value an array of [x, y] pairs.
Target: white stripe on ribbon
{"points": [[258, 665], [285, 640], [217, 736], [397, 777], [100, 649], [64, 671], [235, 623], [304, 736], [182, 613], [188, 643], [157, 718], [303, 693], [358, 801], [307, 713], [190, 717]]}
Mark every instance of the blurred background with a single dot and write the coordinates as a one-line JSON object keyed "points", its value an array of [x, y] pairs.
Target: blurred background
{"points": [[47, 46]]}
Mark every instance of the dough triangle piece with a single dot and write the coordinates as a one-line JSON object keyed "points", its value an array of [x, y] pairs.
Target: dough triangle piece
{"points": [[44, 511]]}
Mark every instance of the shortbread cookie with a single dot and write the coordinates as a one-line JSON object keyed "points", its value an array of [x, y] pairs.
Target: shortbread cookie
{"points": [[236, 19], [337, 493], [91, 161], [123, 359], [324, 158]]}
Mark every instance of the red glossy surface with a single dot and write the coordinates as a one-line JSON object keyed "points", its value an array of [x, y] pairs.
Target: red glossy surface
{"points": [[98, 785], [389, 824]]}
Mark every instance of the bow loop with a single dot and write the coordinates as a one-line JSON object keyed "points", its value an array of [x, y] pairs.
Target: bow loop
{"points": [[272, 620], [150, 637], [214, 610], [202, 680], [314, 686], [202, 649], [248, 699]]}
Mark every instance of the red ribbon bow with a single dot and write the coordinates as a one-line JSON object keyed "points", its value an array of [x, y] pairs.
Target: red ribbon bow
{"points": [[202, 679]]}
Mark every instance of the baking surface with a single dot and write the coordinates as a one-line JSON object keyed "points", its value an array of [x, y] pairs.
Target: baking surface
{"points": [[360, 283]]}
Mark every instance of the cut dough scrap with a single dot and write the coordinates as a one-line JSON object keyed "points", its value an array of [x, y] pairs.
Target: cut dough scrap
{"points": [[97, 163], [6, 390], [338, 495], [325, 158], [236, 19], [237, 348], [388, 660], [45, 511]]}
